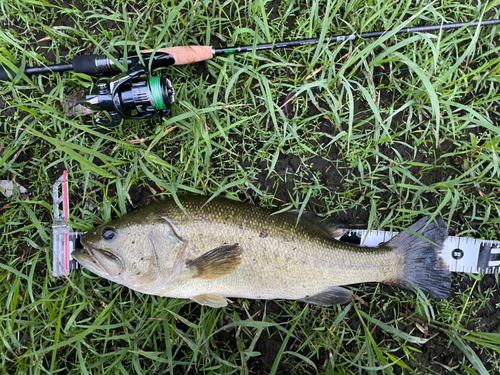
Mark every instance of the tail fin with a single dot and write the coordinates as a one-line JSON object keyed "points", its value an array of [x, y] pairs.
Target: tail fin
{"points": [[423, 266]]}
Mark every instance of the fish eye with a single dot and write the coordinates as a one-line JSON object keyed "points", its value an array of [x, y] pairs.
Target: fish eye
{"points": [[108, 234]]}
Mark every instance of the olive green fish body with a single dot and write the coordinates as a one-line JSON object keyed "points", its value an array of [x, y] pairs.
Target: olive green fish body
{"points": [[212, 251]]}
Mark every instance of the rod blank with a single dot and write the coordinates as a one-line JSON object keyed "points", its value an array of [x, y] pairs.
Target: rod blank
{"points": [[341, 38]]}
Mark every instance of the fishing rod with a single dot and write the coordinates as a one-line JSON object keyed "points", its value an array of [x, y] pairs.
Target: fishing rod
{"points": [[137, 95]]}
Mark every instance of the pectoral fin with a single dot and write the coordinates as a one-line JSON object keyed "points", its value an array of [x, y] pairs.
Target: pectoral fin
{"points": [[332, 296], [212, 300], [218, 262]]}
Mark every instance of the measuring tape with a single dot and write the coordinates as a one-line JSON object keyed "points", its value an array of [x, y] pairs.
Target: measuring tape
{"points": [[461, 254]]}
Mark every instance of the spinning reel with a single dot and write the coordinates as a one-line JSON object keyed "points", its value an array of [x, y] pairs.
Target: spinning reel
{"points": [[134, 95]]}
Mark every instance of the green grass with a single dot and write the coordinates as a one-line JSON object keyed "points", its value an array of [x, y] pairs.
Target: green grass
{"points": [[380, 132]]}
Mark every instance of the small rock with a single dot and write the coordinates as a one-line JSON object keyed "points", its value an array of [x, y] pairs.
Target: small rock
{"points": [[7, 189]]}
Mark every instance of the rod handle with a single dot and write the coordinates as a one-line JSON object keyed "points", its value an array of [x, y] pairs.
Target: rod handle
{"points": [[5, 71], [186, 55], [85, 64], [88, 64]]}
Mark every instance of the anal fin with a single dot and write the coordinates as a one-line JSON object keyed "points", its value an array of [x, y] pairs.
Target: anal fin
{"points": [[332, 296], [218, 262], [212, 300]]}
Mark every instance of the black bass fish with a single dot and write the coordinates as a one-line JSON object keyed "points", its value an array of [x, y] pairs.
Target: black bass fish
{"points": [[216, 250]]}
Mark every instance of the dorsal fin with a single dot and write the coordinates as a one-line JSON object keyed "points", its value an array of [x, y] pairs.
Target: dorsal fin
{"points": [[328, 224]]}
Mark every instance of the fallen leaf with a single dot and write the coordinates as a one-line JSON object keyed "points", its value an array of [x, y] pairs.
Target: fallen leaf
{"points": [[287, 105], [7, 189], [75, 109], [315, 72]]}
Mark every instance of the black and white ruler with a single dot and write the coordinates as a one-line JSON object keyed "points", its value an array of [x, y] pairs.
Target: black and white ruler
{"points": [[461, 254]]}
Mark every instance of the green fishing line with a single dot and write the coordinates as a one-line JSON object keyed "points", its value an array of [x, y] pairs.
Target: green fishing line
{"points": [[156, 93]]}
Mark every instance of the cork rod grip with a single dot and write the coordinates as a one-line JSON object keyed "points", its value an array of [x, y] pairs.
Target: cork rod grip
{"points": [[186, 55]]}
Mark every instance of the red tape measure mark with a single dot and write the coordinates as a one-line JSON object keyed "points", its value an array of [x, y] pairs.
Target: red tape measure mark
{"points": [[65, 196], [66, 252]]}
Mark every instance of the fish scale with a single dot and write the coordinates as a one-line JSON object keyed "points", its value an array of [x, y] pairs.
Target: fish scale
{"points": [[290, 262]]}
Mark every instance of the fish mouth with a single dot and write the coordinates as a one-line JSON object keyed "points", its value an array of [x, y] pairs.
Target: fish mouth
{"points": [[82, 255], [86, 258], [102, 262]]}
